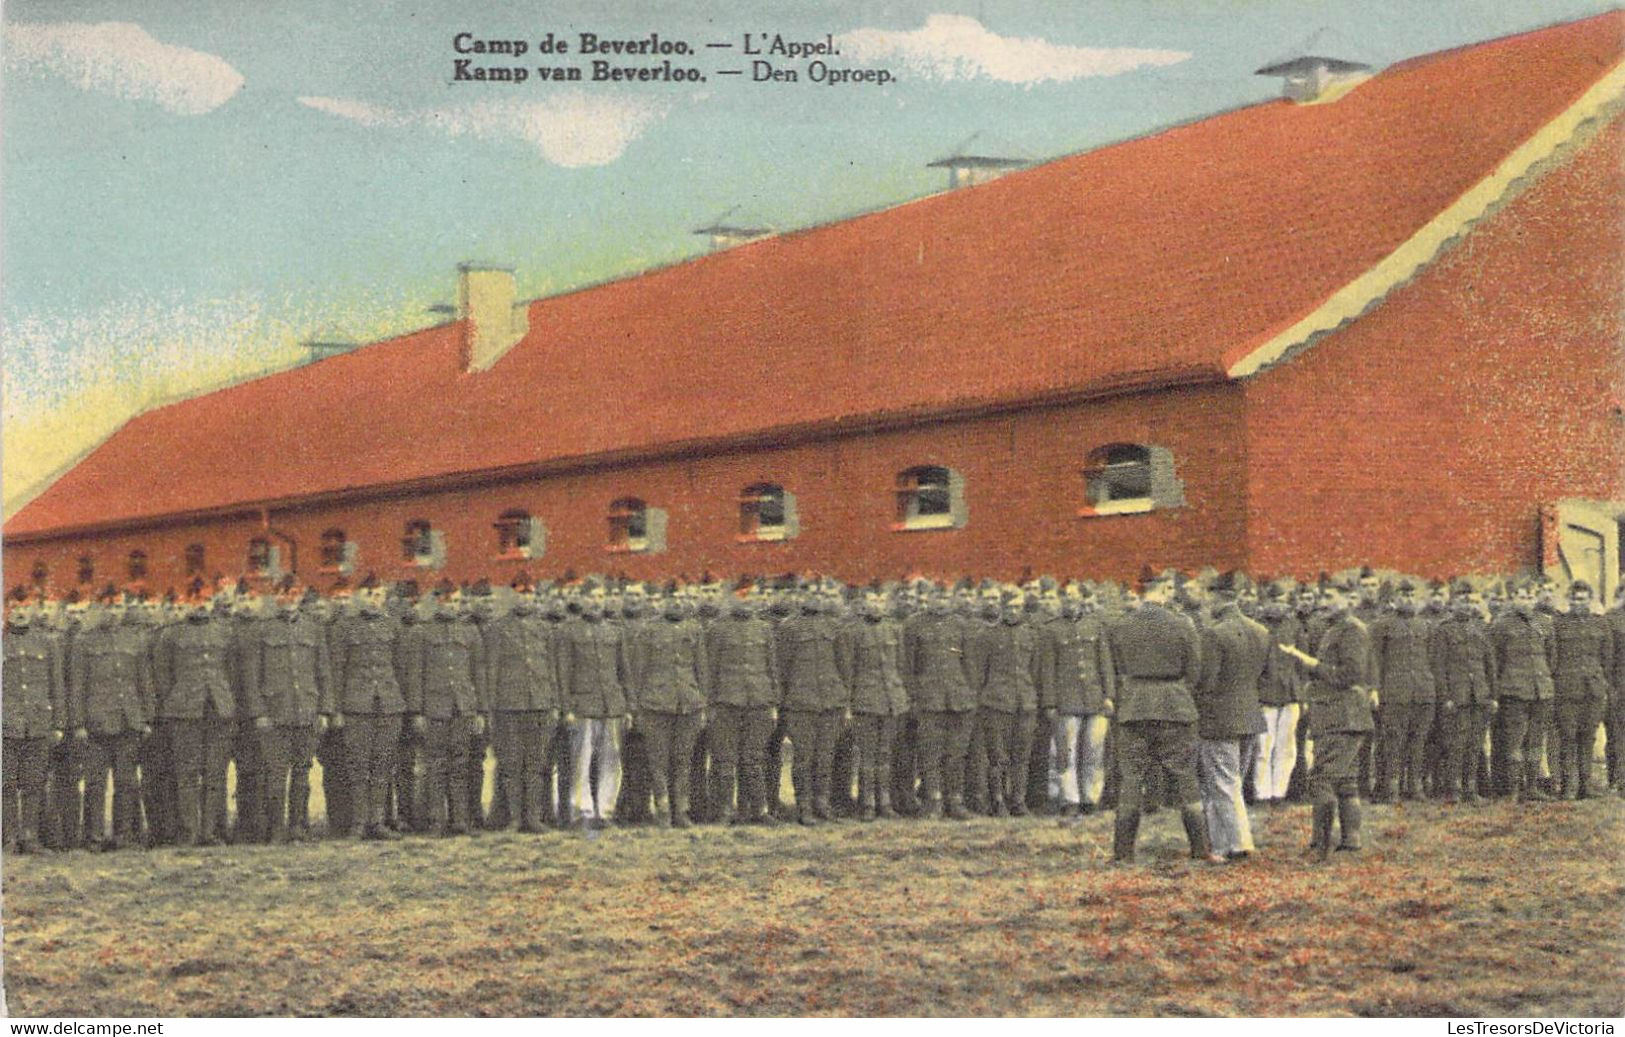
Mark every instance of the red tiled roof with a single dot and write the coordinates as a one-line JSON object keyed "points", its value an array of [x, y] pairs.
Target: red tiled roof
{"points": [[1145, 260]]}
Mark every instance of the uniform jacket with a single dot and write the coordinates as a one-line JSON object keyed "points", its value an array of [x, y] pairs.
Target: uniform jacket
{"points": [[1400, 650], [33, 683], [668, 666], [592, 668], [1584, 656], [872, 654], [369, 660], [289, 672], [245, 635], [1616, 620], [1077, 666], [193, 665], [1159, 660], [1521, 651], [450, 678], [1462, 672], [1235, 650], [808, 667], [1339, 689], [741, 657], [1005, 660], [936, 663], [521, 659], [110, 679], [1282, 682]]}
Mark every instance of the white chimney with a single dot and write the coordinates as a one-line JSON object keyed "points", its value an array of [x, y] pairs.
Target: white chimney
{"points": [[494, 323]]}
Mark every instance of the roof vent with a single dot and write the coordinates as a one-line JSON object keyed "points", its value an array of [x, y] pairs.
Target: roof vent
{"points": [[485, 300], [968, 166], [321, 349], [1311, 78], [734, 228]]}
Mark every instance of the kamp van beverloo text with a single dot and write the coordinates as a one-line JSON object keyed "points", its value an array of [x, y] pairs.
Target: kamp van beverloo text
{"points": [[589, 57]]}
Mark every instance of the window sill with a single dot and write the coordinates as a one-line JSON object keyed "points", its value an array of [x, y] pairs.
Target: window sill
{"points": [[761, 538], [1136, 506], [627, 549], [924, 525], [513, 556]]}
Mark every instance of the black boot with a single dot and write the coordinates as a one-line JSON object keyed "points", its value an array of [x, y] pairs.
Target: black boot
{"points": [[1196, 833], [1320, 833], [1125, 832], [1348, 813]]}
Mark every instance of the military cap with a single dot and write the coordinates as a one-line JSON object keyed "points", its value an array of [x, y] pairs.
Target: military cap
{"points": [[1366, 572], [1405, 586], [1345, 584], [1229, 582], [1463, 587], [1436, 585], [108, 593], [444, 588], [522, 582], [1274, 592], [17, 593], [369, 582], [1579, 586]]}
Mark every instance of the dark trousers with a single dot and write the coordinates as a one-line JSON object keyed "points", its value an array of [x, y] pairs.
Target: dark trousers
{"points": [[775, 760], [905, 767], [669, 739], [371, 744], [873, 735], [446, 748], [118, 754], [1145, 747], [1464, 749], [1616, 732], [813, 735], [522, 740], [199, 750], [1577, 723], [22, 788], [404, 810], [1336, 772], [559, 772], [739, 737], [992, 743], [944, 744], [158, 790], [247, 751], [1521, 731], [336, 788], [1403, 731], [1018, 776], [637, 783], [289, 750], [64, 795], [479, 746], [843, 771]]}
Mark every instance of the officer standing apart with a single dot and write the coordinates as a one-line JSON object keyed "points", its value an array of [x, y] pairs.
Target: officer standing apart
{"points": [[1158, 658], [1234, 651]]}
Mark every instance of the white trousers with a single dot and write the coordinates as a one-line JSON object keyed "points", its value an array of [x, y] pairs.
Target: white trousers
{"points": [[1277, 752], [596, 740], [1218, 771], [1077, 758]]}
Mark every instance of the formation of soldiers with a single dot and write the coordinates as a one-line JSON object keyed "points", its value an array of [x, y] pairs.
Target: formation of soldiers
{"points": [[606, 701]]}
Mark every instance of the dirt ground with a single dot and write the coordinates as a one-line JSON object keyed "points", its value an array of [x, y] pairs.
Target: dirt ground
{"points": [[1497, 910]]}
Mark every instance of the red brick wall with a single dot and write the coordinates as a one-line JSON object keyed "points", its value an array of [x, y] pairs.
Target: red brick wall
{"points": [[1023, 489], [1425, 436]]}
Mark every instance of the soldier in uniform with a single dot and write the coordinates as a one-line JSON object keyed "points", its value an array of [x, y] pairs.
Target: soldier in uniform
{"points": [[404, 809], [1280, 697], [1006, 670], [666, 658], [937, 662], [65, 765], [1521, 648], [289, 673], [369, 670], [111, 696], [336, 787], [197, 715], [1312, 625], [524, 688], [1158, 657], [1400, 647], [1616, 695], [446, 699], [872, 653], [479, 610], [1079, 681], [1465, 684], [1581, 673], [156, 780], [1234, 652], [248, 749], [592, 678], [34, 713], [1340, 704], [743, 689], [815, 698]]}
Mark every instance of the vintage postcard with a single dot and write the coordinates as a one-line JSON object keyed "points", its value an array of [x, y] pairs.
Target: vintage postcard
{"points": [[964, 508]]}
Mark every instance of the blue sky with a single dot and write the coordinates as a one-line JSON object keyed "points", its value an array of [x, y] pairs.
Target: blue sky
{"points": [[193, 190]]}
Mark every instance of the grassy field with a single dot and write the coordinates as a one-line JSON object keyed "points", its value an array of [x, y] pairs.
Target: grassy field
{"points": [[1498, 910]]}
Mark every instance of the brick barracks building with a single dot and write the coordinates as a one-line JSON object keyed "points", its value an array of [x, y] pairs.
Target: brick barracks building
{"points": [[1377, 320]]}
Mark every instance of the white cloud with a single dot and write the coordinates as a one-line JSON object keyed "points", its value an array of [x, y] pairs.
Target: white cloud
{"points": [[123, 60], [571, 129], [953, 47]]}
